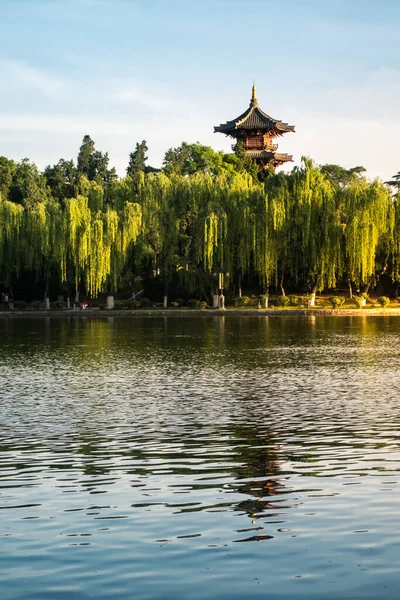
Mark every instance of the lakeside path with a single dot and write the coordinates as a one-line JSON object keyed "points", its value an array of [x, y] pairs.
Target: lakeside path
{"points": [[183, 313]]}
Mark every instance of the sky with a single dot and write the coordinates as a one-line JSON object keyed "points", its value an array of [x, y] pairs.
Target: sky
{"points": [[168, 71]]}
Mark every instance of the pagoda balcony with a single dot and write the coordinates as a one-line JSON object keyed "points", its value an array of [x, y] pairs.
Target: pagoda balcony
{"points": [[251, 144]]}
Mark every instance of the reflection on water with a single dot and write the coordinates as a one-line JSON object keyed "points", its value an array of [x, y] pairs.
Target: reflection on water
{"points": [[136, 454]]}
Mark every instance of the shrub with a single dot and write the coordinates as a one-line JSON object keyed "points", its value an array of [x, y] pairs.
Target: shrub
{"points": [[293, 299], [145, 302], [242, 301], [131, 303], [193, 303], [20, 305], [358, 301], [136, 304], [202, 305], [120, 305], [175, 304], [336, 301], [364, 295], [37, 305], [283, 301], [180, 301], [383, 301]]}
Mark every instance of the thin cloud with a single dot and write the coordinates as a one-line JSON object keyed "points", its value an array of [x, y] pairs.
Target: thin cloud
{"points": [[20, 74], [131, 95]]}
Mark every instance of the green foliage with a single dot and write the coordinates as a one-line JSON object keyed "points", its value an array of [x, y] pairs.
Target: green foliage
{"points": [[137, 159], [241, 301], [193, 303], [20, 305], [358, 301], [93, 164], [145, 302], [341, 176], [37, 305], [7, 173], [384, 301], [63, 179], [283, 301], [188, 159], [244, 162], [85, 157], [208, 212], [395, 182], [293, 300], [336, 301]]}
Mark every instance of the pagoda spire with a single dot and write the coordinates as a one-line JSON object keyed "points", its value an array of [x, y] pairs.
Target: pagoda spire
{"points": [[254, 101]]}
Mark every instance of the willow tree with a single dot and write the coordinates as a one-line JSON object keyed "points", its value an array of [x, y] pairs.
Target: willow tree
{"points": [[270, 208], [210, 228], [121, 230], [11, 221], [44, 241], [239, 192], [316, 232], [99, 241], [79, 228], [369, 219], [396, 241], [161, 224]]}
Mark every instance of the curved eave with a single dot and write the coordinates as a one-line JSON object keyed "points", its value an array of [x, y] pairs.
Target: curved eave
{"points": [[235, 133], [254, 118]]}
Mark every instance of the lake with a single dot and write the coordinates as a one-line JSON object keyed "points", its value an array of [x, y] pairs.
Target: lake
{"points": [[199, 458]]}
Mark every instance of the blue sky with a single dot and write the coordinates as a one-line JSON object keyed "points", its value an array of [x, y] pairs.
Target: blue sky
{"points": [[169, 70]]}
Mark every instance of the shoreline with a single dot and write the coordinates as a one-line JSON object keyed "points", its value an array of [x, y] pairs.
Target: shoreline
{"points": [[187, 313]]}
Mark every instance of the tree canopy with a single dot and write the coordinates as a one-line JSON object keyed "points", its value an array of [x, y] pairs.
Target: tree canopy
{"points": [[78, 225]]}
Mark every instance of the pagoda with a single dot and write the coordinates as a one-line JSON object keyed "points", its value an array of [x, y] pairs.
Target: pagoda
{"points": [[257, 131]]}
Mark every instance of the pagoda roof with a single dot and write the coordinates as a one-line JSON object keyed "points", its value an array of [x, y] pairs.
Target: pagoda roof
{"points": [[255, 119]]}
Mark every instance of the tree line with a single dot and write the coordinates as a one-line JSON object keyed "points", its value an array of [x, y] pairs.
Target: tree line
{"points": [[78, 226]]}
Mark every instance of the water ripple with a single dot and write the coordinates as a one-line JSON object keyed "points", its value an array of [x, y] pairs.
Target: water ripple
{"points": [[185, 437]]}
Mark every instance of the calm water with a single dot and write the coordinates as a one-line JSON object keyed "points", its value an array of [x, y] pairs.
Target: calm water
{"points": [[225, 458]]}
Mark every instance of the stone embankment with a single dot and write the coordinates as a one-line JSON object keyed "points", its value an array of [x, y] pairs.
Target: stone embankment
{"points": [[230, 312]]}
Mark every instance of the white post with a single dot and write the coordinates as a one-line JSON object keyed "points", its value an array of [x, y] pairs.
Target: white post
{"points": [[165, 302], [110, 302], [222, 302], [215, 301], [265, 301], [47, 303], [68, 303], [312, 300]]}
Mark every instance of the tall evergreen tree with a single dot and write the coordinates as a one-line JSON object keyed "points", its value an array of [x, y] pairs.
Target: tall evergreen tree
{"points": [[137, 159], [85, 157]]}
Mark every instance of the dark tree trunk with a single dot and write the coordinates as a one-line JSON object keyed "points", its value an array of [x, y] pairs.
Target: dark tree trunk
{"points": [[375, 277], [350, 289]]}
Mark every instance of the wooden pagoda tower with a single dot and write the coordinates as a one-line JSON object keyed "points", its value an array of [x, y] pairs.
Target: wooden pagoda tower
{"points": [[257, 131]]}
